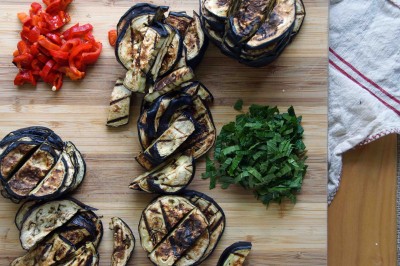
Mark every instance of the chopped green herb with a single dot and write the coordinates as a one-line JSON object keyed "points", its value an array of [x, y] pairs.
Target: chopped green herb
{"points": [[262, 150], [238, 105]]}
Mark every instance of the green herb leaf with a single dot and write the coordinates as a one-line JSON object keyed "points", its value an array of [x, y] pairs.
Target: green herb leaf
{"points": [[262, 150], [238, 105]]}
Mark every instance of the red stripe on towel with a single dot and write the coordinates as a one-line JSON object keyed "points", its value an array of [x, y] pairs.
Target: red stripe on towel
{"points": [[364, 77], [362, 86]]}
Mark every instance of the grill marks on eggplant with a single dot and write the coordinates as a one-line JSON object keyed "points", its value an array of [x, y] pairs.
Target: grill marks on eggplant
{"points": [[176, 230], [171, 177], [36, 164], [168, 143], [124, 242], [235, 254], [253, 32], [61, 232], [120, 101]]}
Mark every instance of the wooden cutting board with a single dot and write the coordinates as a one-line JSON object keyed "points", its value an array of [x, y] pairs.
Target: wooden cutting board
{"points": [[284, 234]]}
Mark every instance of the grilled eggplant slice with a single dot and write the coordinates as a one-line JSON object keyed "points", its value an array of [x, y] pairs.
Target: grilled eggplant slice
{"points": [[196, 88], [44, 218], [79, 163], [217, 9], [124, 242], [35, 168], [300, 15], [173, 54], [180, 21], [170, 82], [205, 134], [170, 178], [131, 29], [180, 240], [22, 211], [247, 17], [86, 255], [235, 254], [154, 40], [196, 42], [168, 143], [280, 21], [50, 252], [118, 113], [159, 217], [215, 217], [49, 187]]}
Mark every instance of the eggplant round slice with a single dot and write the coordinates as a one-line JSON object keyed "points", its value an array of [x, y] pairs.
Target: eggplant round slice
{"points": [[169, 178], [196, 88], [44, 218], [215, 217], [160, 217], [124, 242], [235, 254]]}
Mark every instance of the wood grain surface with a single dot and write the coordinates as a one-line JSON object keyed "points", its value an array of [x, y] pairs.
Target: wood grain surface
{"points": [[362, 217], [281, 235]]}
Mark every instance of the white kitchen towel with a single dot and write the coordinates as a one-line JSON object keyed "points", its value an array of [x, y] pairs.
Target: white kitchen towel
{"points": [[364, 77]]}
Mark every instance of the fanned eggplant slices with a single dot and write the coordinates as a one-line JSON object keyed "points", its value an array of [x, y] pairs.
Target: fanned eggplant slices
{"points": [[59, 232], [254, 32], [181, 230], [174, 130], [35, 164], [235, 254], [158, 52]]}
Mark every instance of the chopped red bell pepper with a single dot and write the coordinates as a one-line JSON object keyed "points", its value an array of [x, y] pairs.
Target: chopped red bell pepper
{"points": [[112, 37], [45, 53], [24, 76]]}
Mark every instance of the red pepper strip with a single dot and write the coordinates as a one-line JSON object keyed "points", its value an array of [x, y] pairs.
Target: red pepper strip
{"points": [[45, 43], [23, 17], [24, 76], [57, 5], [34, 49], [75, 59], [46, 70], [23, 60], [74, 74], [23, 47], [112, 37], [32, 35], [35, 7], [55, 38], [77, 31], [55, 79], [59, 56], [36, 65], [70, 44], [16, 53], [55, 22], [91, 57], [42, 58]]}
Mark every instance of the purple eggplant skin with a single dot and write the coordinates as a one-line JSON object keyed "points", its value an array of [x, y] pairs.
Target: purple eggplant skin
{"points": [[135, 11], [231, 249], [176, 103], [160, 191], [195, 61], [193, 193]]}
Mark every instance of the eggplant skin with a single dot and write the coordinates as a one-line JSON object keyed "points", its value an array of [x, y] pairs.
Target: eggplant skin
{"points": [[169, 178], [124, 242], [235, 254], [214, 214], [253, 32]]}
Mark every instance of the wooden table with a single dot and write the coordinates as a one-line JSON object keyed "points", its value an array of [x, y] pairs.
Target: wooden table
{"points": [[281, 234], [362, 217]]}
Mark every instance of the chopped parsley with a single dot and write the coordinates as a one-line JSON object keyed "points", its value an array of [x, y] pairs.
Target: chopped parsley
{"points": [[263, 151]]}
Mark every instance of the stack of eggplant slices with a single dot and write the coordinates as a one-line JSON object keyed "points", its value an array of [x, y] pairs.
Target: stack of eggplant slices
{"points": [[36, 164], [253, 32]]}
